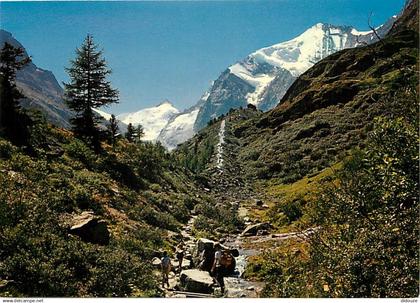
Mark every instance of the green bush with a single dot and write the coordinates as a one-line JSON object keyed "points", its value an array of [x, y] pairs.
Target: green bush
{"points": [[212, 216], [41, 259], [6, 149], [78, 150]]}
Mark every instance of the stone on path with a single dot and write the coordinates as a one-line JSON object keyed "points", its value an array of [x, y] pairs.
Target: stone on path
{"points": [[186, 264], [195, 280], [253, 230], [258, 202]]}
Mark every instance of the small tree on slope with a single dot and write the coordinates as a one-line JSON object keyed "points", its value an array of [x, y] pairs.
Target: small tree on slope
{"points": [[88, 88], [113, 130], [139, 133], [131, 132]]}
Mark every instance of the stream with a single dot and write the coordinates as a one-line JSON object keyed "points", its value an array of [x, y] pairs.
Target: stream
{"points": [[236, 286]]}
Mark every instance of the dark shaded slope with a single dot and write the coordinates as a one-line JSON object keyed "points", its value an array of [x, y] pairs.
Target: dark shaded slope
{"points": [[409, 19]]}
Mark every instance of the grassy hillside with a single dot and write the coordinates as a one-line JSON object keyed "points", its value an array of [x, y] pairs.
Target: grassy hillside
{"points": [[137, 189]]}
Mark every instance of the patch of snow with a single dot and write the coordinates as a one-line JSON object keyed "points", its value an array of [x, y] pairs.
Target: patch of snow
{"points": [[357, 33], [263, 82], [335, 31], [103, 114], [205, 96]]}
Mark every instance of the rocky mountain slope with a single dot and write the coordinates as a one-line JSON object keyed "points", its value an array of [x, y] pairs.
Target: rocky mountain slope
{"points": [[41, 89]]}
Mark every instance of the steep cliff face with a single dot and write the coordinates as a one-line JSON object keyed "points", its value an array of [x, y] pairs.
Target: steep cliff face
{"points": [[40, 88]]}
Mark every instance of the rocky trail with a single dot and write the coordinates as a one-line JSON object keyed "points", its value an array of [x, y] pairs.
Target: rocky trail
{"points": [[236, 286], [227, 186]]}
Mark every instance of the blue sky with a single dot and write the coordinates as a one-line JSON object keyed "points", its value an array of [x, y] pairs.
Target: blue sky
{"points": [[174, 49]]}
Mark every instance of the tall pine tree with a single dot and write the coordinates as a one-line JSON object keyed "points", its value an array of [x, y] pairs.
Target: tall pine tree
{"points": [[88, 89], [14, 122]]}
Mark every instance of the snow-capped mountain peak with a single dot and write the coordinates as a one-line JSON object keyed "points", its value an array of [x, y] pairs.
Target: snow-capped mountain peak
{"points": [[300, 53], [153, 119], [297, 55], [180, 127]]}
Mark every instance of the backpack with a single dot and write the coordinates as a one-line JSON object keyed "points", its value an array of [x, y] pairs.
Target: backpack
{"points": [[226, 260], [166, 263]]}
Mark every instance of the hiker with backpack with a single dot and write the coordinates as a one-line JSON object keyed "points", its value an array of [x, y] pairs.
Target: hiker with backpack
{"points": [[222, 260], [166, 268]]}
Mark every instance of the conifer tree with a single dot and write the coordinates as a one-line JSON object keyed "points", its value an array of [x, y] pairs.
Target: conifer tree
{"points": [[113, 130], [13, 121], [131, 132], [88, 89], [139, 132]]}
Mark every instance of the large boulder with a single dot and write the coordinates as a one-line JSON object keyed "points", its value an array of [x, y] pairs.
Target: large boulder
{"points": [[195, 280], [253, 230], [156, 262], [90, 228]]}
